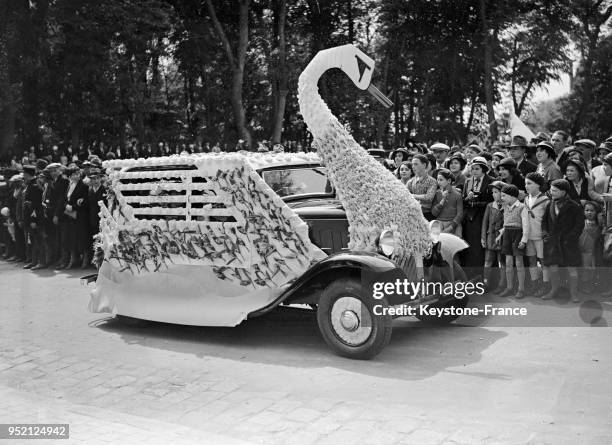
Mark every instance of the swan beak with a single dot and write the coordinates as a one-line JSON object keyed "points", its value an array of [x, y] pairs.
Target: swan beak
{"points": [[380, 97]]}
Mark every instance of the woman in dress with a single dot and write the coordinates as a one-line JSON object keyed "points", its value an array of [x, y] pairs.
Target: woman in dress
{"points": [[476, 196], [76, 219]]}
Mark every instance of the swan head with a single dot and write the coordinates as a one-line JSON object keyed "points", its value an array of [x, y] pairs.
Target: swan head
{"points": [[359, 67]]}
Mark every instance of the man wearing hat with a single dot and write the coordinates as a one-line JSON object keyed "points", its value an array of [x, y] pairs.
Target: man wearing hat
{"points": [[562, 225], [476, 196], [43, 222], [545, 153], [56, 196], [586, 148], [440, 151], [96, 193], [32, 212], [517, 152]]}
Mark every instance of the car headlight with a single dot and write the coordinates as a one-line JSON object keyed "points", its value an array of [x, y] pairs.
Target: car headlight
{"points": [[435, 229], [386, 242]]}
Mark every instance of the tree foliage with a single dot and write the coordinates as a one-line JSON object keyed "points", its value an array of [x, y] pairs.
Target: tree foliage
{"points": [[76, 71]]}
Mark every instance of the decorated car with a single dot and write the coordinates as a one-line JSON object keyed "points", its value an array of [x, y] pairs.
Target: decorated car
{"points": [[215, 239]]}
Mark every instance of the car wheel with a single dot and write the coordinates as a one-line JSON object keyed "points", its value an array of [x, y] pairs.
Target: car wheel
{"points": [[459, 275], [346, 319]]}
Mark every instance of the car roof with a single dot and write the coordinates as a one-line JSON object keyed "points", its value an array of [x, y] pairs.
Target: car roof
{"points": [[257, 161]]}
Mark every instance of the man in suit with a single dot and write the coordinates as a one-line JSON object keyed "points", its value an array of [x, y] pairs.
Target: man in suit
{"points": [[56, 198], [32, 211], [96, 193], [517, 152]]}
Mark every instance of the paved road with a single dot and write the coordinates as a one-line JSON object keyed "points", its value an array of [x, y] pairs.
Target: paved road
{"points": [[273, 380]]}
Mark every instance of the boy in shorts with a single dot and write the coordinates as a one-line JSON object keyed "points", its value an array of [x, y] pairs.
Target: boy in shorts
{"points": [[536, 202], [514, 236]]}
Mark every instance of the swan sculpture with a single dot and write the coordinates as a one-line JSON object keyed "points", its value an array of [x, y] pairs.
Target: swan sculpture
{"points": [[372, 196]]}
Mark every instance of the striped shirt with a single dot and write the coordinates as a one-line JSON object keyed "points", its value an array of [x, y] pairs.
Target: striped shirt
{"points": [[424, 191]]}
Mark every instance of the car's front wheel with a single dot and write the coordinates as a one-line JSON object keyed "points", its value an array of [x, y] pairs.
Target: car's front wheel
{"points": [[347, 321]]}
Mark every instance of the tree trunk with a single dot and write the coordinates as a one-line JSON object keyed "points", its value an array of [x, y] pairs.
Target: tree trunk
{"points": [[488, 70], [282, 90], [237, 63]]}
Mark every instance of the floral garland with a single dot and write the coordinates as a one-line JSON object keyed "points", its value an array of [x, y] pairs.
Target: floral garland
{"points": [[266, 248]]}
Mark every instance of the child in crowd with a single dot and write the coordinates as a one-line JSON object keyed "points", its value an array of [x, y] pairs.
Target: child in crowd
{"points": [[590, 244], [536, 202], [515, 234], [448, 207], [491, 225]]}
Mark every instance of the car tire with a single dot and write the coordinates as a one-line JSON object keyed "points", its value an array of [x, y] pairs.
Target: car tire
{"points": [[433, 320], [345, 314]]}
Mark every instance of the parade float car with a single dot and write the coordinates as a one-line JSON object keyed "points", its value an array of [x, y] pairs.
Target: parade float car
{"points": [[215, 239]]}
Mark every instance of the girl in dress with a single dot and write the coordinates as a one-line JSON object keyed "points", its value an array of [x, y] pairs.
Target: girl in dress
{"points": [[590, 244]]}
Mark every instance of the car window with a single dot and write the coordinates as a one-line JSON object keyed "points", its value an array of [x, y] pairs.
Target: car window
{"points": [[298, 181]]}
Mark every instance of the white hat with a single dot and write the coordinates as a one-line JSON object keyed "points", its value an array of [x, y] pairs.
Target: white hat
{"points": [[439, 146]]}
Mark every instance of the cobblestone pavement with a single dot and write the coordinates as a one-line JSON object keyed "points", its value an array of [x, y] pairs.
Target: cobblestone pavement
{"points": [[273, 380]]}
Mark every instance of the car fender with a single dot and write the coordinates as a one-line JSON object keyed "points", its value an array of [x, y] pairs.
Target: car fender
{"points": [[368, 265], [449, 245]]}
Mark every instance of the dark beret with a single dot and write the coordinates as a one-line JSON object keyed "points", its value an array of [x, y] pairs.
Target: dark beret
{"points": [[561, 184], [507, 163], [537, 178], [499, 185], [511, 190]]}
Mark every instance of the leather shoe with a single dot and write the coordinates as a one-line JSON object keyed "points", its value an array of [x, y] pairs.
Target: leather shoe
{"points": [[29, 266], [39, 266]]}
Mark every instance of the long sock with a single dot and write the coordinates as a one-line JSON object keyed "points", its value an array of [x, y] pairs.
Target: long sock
{"points": [[573, 285], [545, 273], [520, 271], [509, 277], [502, 277]]}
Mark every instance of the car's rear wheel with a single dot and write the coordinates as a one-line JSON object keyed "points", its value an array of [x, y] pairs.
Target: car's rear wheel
{"points": [[346, 319], [459, 275]]}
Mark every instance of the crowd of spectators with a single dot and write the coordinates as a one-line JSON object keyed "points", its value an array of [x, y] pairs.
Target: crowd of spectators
{"points": [[526, 208]]}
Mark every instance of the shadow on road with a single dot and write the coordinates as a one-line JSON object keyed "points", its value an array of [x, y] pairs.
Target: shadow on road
{"points": [[290, 337]]}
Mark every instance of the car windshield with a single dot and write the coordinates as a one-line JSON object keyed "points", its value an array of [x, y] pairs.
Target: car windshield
{"points": [[298, 181]]}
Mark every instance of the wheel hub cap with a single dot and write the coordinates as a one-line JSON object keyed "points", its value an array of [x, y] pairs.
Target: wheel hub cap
{"points": [[351, 321]]}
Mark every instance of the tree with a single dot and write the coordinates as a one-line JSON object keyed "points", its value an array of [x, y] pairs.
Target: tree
{"points": [[236, 59], [590, 17], [278, 67]]}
